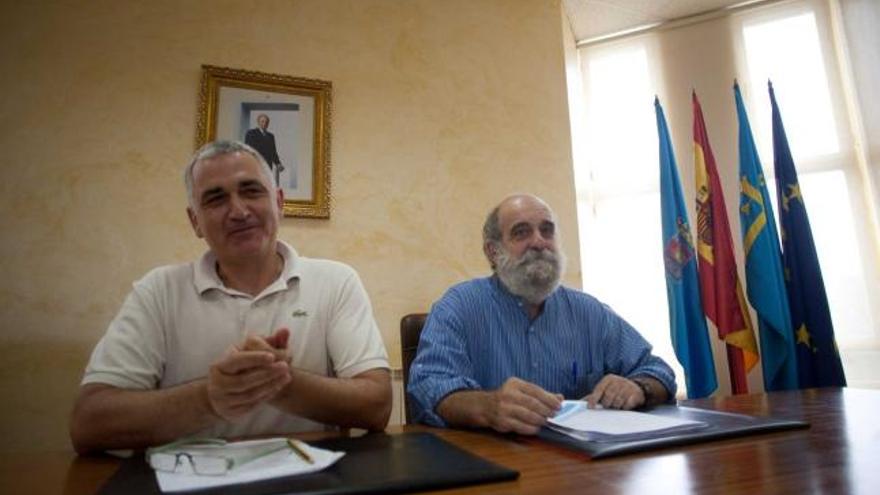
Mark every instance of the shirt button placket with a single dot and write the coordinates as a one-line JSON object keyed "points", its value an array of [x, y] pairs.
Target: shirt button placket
{"points": [[255, 320], [530, 336], [242, 318]]}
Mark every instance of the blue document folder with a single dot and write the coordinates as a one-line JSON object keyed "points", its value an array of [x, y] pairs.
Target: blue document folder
{"points": [[718, 425]]}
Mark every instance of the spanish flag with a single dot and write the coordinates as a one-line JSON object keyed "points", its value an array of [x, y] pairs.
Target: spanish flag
{"points": [[721, 289]]}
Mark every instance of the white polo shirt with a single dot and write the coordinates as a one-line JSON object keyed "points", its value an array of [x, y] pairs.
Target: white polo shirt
{"points": [[179, 319]]}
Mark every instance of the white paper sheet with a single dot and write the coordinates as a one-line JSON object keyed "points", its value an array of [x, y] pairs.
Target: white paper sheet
{"points": [[577, 420], [282, 463]]}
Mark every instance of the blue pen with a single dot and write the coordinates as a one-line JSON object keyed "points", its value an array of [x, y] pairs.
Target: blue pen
{"points": [[574, 373]]}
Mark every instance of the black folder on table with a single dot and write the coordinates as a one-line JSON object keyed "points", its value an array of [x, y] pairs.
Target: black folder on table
{"points": [[374, 463], [718, 425]]}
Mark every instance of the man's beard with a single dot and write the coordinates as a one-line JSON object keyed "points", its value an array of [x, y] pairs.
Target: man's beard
{"points": [[534, 275]]}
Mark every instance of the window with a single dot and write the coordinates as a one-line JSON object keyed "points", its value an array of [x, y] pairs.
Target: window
{"points": [[618, 191], [785, 46], [617, 182], [787, 51]]}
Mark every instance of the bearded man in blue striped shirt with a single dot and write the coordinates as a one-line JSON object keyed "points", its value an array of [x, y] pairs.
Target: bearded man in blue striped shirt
{"points": [[502, 352]]}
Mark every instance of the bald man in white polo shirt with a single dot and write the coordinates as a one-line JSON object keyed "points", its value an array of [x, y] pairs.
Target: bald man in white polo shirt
{"points": [[250, 339]]}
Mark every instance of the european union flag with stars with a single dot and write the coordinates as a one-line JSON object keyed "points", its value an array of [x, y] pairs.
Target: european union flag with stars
{"points": [[764, 280], [818, 359]]}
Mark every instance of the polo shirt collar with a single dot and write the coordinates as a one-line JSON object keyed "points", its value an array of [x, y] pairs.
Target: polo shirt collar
{"points": [[205, 275], [292, 266]]}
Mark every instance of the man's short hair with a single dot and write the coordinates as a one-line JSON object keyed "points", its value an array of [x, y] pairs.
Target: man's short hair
{"points": [[492, 226], [492, 232], [218, 148]]}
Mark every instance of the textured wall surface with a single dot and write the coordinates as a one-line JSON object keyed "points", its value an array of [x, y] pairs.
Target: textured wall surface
{"points": [[439, 110]]}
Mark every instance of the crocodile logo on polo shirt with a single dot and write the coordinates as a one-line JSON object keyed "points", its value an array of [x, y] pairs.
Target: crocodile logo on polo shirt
{"points": [[299, 313]]}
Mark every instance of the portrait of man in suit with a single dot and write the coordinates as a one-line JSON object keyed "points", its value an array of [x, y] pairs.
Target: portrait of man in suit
{"points": [[283, 129], [263, 141]]}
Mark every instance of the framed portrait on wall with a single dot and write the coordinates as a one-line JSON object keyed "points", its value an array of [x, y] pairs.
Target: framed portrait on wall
{"points": [[286, 119]]}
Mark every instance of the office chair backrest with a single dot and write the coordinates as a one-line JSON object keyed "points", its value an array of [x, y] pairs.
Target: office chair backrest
{"points": [[410, 330]]}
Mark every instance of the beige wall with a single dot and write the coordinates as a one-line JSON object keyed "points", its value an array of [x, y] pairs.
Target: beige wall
{"points": [[440, 108]]}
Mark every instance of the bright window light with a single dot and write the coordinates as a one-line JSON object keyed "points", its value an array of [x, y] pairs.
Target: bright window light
{"points": [[623, 266], [618, 181], [621, 114], [618, 195], [787, 52], [828, 201]]}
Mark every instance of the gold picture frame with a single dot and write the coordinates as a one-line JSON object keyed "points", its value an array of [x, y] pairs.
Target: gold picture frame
{"points": [[296, 136]]}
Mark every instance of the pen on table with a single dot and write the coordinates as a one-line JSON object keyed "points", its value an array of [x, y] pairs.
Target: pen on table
{"points": [[299, 451]]}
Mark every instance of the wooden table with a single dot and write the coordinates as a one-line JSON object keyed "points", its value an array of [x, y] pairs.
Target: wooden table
{"points": [[839, 453]]}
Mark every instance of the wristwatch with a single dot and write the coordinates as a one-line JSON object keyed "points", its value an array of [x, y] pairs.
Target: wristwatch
{"points": [[647, 391]]}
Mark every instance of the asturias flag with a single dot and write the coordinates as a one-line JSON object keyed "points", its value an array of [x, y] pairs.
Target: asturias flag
{"points": [[690, 337], [818, 360], [722, 293], [764, 280]]}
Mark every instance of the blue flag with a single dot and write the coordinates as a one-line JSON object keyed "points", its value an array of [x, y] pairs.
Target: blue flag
{"points": [[687, 324], [818, 359], [764, 282]]}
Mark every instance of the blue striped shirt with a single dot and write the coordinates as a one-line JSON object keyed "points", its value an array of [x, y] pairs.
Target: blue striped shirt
{"points": [[479, 335]]}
